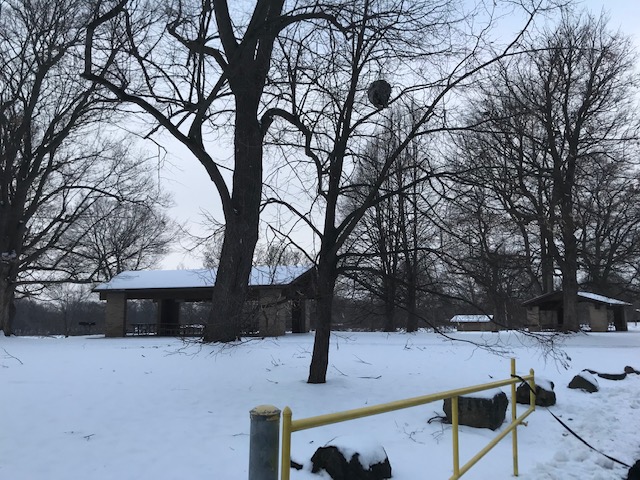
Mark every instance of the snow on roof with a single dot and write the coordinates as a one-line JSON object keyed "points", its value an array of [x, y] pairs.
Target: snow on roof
{"points": [[471, 318], [149, 279], [555, 297], [602, 298]]}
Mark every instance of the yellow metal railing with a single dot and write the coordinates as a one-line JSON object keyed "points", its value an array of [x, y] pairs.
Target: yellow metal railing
{"points": [[289, 425]]}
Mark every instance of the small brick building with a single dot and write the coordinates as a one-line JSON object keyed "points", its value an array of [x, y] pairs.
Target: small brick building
{"points": [[279, 298]]}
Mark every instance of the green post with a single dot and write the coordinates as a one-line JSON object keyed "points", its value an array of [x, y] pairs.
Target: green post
{"points": [[264, 443]]}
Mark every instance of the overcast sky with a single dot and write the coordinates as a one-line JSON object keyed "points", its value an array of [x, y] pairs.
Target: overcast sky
{"points": [[193, 192]]}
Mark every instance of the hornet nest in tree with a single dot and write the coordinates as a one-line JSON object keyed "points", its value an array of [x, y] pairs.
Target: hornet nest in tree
{"points": [[379, 92]]}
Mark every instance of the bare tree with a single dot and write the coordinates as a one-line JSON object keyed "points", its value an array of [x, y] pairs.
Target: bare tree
{"points": [[388, 252], [373, 258], [548, 118], [278, 253], [326, 75], [608, 215], [68, 300], [199, 68], [112, 235], [53, 163], [484, 254], [504, 167]]}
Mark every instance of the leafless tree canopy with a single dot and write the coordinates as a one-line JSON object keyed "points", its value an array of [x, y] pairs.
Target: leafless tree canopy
{"points": [[54, 164], [556, 128], [427, 51]]}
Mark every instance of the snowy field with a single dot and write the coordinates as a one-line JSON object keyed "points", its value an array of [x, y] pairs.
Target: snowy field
{"points": [[160, 409]]}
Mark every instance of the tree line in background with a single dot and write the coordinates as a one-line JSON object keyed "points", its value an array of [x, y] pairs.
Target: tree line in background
{"points": [[535, 191], [488, 173]]}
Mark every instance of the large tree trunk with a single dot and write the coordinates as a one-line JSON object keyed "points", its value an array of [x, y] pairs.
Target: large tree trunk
{"points": [[412, 290], [326, 285], [7, 303], [571, 322], [241, 229], [546, 261], [230, 291], [412, 315], [389, 303], [12, 231], [500, 312]]}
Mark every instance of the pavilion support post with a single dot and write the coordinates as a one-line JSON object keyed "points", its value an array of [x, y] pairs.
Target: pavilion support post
{"points": [[116, 314], [598, 318]]}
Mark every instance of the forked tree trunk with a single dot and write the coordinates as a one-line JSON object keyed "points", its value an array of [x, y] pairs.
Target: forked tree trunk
{"points": [[241, 229]]}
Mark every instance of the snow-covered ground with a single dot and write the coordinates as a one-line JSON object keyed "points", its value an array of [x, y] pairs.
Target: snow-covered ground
{"points": [[158, 408]]}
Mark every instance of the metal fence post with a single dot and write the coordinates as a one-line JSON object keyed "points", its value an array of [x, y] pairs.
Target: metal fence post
{"points": [[264, 443], [454, 436], [285, 462], [514, 416]]}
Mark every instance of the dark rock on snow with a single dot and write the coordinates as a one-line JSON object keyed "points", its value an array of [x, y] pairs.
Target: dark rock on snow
{"points": [[584, 381], [634, 472], [608, 376], [331, 459], [545, 396], [479, 412]]}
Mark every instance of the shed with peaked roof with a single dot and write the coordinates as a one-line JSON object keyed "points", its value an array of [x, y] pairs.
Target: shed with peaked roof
{"points": [[474, 323], [596, 312], [279, 297]]}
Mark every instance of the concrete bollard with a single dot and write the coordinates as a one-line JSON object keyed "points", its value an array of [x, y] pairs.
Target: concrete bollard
{"points": [[264, 443]]}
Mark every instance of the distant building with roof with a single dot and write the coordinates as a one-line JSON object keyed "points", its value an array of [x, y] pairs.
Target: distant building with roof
{"points": [[595, 312], [279, 298], [474, 323]]}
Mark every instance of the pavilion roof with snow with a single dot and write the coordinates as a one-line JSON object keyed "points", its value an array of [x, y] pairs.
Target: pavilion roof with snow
{"points": [[194, 284], [283, 294]]}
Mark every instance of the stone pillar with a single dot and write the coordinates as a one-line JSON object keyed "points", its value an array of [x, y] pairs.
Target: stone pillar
{"points": [[274, 312], [115, 314], [533, 318], [598, 318]]}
